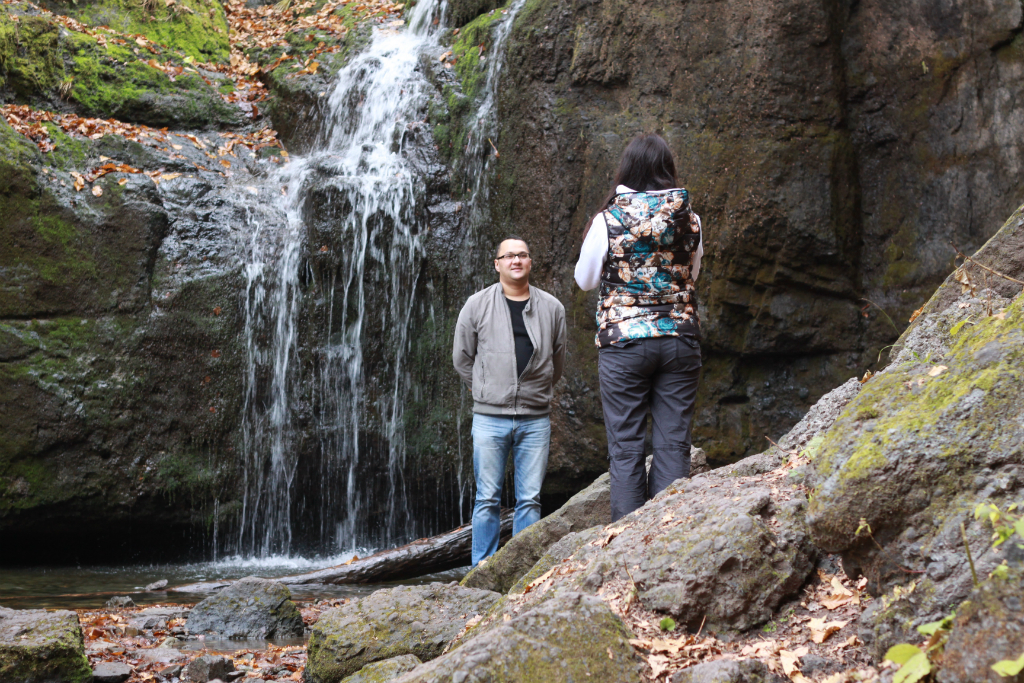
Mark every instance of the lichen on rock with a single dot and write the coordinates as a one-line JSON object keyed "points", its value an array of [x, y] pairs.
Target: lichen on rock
{"points": [[37, 646]]}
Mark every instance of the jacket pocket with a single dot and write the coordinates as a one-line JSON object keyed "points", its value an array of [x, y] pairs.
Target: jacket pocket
{"points": [[493, 383], [535, 390]]}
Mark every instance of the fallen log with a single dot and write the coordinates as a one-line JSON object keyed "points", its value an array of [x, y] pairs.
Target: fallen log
{"points": [[424, 556]]}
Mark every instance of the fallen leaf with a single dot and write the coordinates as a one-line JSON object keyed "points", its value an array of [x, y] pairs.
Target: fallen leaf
{"points": [[216, 310], [169, 176], [937, 370], [821, 631], [915, 314], [838, 587], [97, 191], [791, 659], [122, 181]]}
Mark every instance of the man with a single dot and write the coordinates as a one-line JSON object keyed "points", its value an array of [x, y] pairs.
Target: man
{"points": [[509, 349]]}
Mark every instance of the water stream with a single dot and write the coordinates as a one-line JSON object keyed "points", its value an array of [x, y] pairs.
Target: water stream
{"points": [[323, 428]]}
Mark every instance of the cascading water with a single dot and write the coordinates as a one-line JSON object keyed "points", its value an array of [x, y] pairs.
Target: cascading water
{"points": [[345, 233]]}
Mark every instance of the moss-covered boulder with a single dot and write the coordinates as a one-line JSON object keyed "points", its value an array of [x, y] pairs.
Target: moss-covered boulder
{"points": [[249, 608], [898, 478], [989, 627], [384, 671], [44, 64], [417, 620], [196, 28], [572, 637], [37, 646]]}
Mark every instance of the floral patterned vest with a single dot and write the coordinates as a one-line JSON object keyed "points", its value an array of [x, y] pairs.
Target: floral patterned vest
{"points": [[646, 287]]}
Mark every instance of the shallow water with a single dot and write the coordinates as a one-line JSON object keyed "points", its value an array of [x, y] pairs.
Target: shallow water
{"points": [[90, 587]]}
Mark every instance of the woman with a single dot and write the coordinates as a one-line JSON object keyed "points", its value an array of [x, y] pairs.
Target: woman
{"points": [[644, 249]]}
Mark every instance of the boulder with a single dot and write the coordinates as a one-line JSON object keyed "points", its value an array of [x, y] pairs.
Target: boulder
{"points": [[572, 637], [249, 608], [720, 547], [588, 508], [37, 646], [383, 671], [160, 655], [208, 668], [989, 627], [111, 672], [898, 477], [727, 671], [417, 620]]}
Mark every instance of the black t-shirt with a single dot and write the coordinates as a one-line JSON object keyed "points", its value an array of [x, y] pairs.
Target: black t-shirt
{"points": [[524, 347]]}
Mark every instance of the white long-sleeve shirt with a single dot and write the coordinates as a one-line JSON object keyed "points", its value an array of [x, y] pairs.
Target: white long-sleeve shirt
{"points": [[595, 249]]}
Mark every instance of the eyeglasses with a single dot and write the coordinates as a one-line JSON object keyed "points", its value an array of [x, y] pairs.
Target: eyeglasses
{"points": [[522, 256]]}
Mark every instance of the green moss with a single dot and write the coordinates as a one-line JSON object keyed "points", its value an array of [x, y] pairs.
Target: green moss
{"points": [[474, 39], [29, 55], [197, 28]]}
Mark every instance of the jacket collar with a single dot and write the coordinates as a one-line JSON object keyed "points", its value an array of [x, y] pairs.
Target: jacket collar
{"points": [[499, 293]]}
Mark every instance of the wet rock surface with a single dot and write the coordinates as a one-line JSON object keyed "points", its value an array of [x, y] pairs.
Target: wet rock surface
{"points": [[37, 646], [383, 671], [249, 608], [417, 620], [573, 637]]}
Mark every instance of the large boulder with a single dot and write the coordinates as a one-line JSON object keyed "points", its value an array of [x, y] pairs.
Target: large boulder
{"points": [[939, 432], [416, 620], [249, 608], [37, 646], [989, 627], [572, 637]]}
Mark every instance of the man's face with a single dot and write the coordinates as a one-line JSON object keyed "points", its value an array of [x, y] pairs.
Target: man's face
{"points": [[513, 269]]}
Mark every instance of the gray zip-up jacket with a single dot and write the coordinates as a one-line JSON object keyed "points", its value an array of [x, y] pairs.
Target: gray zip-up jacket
{"points": [[484, 353]]}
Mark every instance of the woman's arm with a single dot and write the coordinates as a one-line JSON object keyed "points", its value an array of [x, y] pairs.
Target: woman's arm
{"points": [[695, 270], [593, 254]]}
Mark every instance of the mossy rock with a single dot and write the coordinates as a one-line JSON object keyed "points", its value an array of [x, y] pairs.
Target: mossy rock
{"points": [[572, 637], [45, 65], [384, 671], [416, 620], [916, 434], [37, 646], [249, 608], [196, 28]]}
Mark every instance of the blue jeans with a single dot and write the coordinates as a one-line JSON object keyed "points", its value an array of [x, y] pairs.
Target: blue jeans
{"points": [[494, 436]]}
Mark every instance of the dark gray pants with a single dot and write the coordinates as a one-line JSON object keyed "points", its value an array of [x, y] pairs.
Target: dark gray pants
{"points": [[659, 375]]}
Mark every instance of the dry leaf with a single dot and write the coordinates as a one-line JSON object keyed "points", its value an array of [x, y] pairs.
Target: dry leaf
{"points": [[791, 659], [122, 181], [937, 370], [610, 534], [838, 588], [821, 631], [659, 665], [915, 314], [97, 191]]}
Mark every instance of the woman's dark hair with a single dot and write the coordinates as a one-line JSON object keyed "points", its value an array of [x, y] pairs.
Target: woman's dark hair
{"points": [[647, 165]]}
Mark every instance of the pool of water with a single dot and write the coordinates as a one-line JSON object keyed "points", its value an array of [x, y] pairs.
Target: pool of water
{"points": [[89, 587]]}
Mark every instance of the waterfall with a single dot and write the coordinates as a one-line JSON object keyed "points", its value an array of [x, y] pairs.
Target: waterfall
{"points": [[340, 227]]}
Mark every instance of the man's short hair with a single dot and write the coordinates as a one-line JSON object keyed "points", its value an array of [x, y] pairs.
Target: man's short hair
{"points": [[506, 239]]}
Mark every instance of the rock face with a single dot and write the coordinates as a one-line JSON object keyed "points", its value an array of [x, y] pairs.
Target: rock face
{"points": [[802, 136], [249, 608], [37, 646], [572, 637], [387, 670], [989, 627], [416, 620]]}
